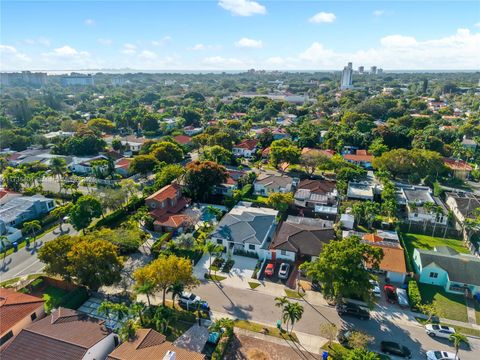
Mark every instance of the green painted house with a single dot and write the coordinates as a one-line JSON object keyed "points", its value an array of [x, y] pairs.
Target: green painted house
{"points": [[447, 268]]}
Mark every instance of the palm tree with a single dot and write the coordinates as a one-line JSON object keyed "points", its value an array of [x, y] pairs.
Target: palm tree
{"points": [[137, 309], [176, 289], [281, 302], [292, 312], [128, 330], [32, 227], [457, 339], [211, 248], [120, 310], [58, 167], [146, 288]]}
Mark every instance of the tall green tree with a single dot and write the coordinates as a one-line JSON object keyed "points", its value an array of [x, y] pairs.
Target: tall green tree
{"points": [[292, 312], [457, 339], [201, 177], [32, 228], [341, 268], [84, 211]]}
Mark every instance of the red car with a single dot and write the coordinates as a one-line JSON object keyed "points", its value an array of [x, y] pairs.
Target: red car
{"points": [[270, 269], [390, 294]]}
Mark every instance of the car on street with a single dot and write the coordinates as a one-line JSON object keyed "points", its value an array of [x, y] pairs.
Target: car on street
{"points": [[188, 299], [283, 271], [394, 348], [270, 269], [353, 309], [390, 294], [441, 355], [441, 331], [402, 297], [375, 288]]}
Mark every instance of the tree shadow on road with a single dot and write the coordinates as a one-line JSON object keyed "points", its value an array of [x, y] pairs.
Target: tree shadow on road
{"points": [[5, 264]]}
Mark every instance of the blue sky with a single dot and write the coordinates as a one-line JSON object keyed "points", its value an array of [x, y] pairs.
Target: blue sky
{"points": [[239, 34]]}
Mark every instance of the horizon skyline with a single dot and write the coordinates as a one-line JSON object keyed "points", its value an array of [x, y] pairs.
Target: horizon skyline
{"points": [[237, 35]]}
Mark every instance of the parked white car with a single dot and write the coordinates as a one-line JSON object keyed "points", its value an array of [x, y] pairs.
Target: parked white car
{"points": [[188, 299], [441, 355], [439, 330], [284, 270], [376, 288]]}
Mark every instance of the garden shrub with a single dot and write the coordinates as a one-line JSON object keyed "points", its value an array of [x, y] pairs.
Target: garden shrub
{"points": [[414, 294]]}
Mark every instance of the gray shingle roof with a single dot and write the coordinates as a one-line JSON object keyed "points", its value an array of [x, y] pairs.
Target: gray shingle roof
{"points": [[246, 225], [461, 268]]}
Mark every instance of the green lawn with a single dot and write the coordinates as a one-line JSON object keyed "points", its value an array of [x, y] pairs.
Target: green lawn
{"points": [[477, 313], [259, 328], [253, 285], [450, 306], [426, 242], [292, 294]]}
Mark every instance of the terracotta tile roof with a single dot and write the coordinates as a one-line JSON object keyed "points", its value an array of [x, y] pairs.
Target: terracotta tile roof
{"points": [[15, 306], [360, 155], [182, 139], [172, 221], [393, 256], [266, 152], [321, 187], [123, 163], [248, 144], [373, 238], [64, 335], [151, 345], [457, 164], [167, 192]]}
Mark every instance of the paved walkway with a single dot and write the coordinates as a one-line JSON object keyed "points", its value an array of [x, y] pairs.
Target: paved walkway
{"points": [[472, 316]]}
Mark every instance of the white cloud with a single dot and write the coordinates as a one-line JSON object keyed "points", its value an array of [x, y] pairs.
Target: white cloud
{"points": [[316, 53], [229, 63], [90, 22], [203, 47], [129, 49], [166, 39], [477, 25], [398, 41], [323, 17], [66, 51], [249, 43], [42, 41], [105, 41], [11, 58], [243, 7], [379, 13], [147, 55]]}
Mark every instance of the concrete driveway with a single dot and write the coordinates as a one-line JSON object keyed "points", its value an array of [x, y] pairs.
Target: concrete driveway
{"points": [[239, 276]]}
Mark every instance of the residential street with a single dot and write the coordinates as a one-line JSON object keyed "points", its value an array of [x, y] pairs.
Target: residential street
{"points": [[25, 261], [260, 307]]}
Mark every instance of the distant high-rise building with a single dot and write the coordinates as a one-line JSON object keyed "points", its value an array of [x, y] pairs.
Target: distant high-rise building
{"points": [[373, 70], [347, 77], [77, 79], [23, 78], [361, 69], [379, 71]]}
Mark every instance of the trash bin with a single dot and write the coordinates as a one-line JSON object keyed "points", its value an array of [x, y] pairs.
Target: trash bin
{"points": [[325, 355], [15, 246], [279, 324]]}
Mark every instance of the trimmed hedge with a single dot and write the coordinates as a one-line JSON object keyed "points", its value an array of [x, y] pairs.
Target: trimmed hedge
{"points": [[414, 294]]}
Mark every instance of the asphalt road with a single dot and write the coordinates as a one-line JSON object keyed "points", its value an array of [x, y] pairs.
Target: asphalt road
{"points": [[260, 307], [25, 261]]}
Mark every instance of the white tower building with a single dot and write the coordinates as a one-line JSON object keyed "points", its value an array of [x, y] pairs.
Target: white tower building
{"points": [[347, 74]]}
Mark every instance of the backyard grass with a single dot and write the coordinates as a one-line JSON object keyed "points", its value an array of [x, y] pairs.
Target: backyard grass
{"points": [[259, 328], [177, 329], [429, 242], [253, 285], [449, 306], [292, 294]]}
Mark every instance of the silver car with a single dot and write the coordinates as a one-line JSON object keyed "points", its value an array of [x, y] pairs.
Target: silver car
{"points": [[439, 330], [284, 270]]}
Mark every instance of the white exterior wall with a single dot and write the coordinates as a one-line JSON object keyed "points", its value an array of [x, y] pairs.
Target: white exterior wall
{"points": [[260, 189], [396, 277], [287, 255], [100, 350], [452, 204]]}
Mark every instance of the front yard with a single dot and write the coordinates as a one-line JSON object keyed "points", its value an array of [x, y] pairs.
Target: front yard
{"points": [[425, 242], [449, 306]]}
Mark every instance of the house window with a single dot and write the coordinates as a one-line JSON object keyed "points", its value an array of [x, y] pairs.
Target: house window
{"points": [[434, 275], [251, 247], [283, 252], [219, 241], [33, 316], [6, 337]]}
